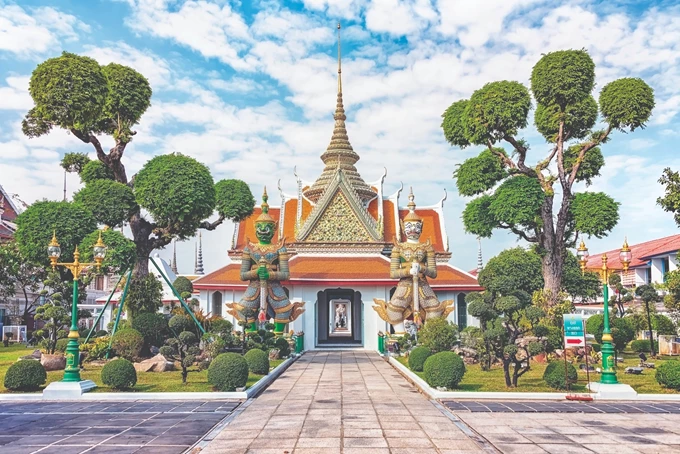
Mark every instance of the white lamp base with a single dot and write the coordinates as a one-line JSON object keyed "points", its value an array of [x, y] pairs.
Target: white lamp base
{"points": [[612, 392], [60, 390]]}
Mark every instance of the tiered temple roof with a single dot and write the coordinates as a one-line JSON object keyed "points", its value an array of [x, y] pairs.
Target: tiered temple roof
{"points": [[339, 230]]}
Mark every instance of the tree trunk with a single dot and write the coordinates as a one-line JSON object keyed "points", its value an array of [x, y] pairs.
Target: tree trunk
{"points": [[506, 372], [651, 334], [552, 249]]}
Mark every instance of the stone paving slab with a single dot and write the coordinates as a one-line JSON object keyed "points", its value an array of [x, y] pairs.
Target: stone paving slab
{"points": [[541, 432], [350, 402], [562, 407], [107, 427]]}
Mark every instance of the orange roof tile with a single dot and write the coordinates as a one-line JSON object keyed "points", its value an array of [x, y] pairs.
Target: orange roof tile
{"points": [[353, 270], [642, 252]]}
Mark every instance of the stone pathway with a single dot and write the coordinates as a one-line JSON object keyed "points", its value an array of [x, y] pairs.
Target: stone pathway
{"points": [[331, 402], [567, 433], [491, 406], [148, 427]]}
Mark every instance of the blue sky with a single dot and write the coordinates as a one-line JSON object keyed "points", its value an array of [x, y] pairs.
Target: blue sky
{"points": [[249, 89]]}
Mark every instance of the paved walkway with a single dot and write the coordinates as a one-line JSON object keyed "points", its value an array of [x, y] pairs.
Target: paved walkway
{"points": [[576, 433], [148, 427], [349, 402]]}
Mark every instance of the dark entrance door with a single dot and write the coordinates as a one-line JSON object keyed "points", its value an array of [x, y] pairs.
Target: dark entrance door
{"points": [[339, 318]]}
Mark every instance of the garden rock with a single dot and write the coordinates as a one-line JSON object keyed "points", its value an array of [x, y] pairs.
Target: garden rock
{"points": [[273, 354], [37, 354], [53, 362], [156, 364]]}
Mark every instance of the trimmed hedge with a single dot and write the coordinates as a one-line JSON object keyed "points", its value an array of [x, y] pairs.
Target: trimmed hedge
{"points": [[668, 374], [641, 345], [444, 369], [128, 343], [119, 374], [417, 358], [25, 375], [258, 361], [228, 371], [554, 375]]}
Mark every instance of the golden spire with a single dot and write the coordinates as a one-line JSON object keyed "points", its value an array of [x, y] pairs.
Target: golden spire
{"points": [[339, 63], [412, 216], [339, 153]]}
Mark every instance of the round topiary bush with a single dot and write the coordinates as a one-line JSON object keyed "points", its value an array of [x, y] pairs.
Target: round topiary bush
{"points": [[119, 374], [641, 345], [444, 369], [554, 375], [25, 375], [667, 374], [228, 371], [417, 357], [153, 326], [128, 343], [258, 361]]}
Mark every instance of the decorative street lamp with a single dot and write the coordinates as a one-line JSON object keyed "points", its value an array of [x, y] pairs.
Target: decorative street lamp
{"points": [[72, 371], [608, 371]]}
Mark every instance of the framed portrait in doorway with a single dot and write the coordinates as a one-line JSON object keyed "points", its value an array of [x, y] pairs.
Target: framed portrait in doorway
{"points": [[340, 315]]}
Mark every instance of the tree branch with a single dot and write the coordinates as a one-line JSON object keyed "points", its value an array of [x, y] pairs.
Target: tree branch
{"points": [[518, 232], [91, 138], [508, 162], [211, 225], [522, 152], [585, 149]]}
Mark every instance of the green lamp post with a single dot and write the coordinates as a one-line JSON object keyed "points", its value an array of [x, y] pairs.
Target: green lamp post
{"points": [[72, 370], [608, 359]]}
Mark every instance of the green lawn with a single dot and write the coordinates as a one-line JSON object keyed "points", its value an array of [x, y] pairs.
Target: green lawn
{"points": [[146, 381], [477, 380]]}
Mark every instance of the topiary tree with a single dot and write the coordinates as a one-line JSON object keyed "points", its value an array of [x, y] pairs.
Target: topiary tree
{"points": [[438, 335], [622, 330], [417, 357], [555, 376], [144, 295], [512, 194], [641, 345], [649, 296], [183, 345], [228, 371], [120, 251], [258, 361], [183, 285], [621, 294], [506, 311], [444, 370], [75, 93], [19, 277], [25, 375], [119, 374]]}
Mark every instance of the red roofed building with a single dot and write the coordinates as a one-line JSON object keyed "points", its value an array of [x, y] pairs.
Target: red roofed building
{"points": [[339, 231], [8, 213], [650, 263]]}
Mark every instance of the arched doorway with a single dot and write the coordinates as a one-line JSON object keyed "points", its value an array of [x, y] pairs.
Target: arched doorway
{"points": [[461, 309], [216, 308]]}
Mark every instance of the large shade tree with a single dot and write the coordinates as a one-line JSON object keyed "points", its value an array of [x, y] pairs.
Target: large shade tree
{"points": [[516, 195], [172, 196]]}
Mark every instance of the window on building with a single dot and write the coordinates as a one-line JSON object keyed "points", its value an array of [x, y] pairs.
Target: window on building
{"points": [[217, 304], [648, 277], [665, 267], [462, 312], [99, 283]]}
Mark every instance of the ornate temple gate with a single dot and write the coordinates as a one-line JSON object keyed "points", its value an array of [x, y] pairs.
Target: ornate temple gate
{"points": [[339, 318]]}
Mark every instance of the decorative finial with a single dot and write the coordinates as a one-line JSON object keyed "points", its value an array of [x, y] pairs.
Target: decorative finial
{"points": [[412, 216], [199, 259], [173, 265], [339, 62], [411, 200], [264, 216], [480, 263]]}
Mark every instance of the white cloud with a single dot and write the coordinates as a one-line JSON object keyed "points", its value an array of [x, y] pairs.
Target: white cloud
{"points": [[15, 95], [153, 67], [399, 17], [642, 144], [211, 29], [236, 85], [25, 33]]}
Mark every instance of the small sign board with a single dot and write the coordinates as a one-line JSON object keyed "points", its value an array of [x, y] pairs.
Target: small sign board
{"points": [[574, 335]]}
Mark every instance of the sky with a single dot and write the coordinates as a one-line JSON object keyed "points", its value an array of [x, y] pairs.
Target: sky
{"points": [[248, 88]]}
